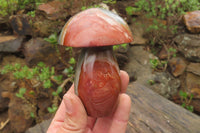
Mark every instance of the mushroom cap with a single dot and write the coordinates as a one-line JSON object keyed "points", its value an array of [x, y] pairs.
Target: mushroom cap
{"points": [[95, 27]]}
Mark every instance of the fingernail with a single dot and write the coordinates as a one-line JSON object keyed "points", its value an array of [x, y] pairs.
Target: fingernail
{"points": [[68, 105]]}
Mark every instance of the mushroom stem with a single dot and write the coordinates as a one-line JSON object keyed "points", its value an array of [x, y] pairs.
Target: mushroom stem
{"points": [[97, 80]]}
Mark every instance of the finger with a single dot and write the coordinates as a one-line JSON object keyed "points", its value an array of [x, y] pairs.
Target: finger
{"points": [[71, 90], [58, 118], [124, 80], [76, 117], [90, 120], [116, 123], [121, 116], [70, 117]]}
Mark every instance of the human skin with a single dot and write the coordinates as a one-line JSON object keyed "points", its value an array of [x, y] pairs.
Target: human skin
{"points": [[71, 116]]}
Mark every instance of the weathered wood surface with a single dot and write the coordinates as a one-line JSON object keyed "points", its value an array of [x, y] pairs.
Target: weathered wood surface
{"points": [[40, 128], [151, 113]]}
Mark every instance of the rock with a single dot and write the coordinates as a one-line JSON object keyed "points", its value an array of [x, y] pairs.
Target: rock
{"points": [[122, 59], [140, 70], [166, 53], [1, 56], [192, 21], [189, 46], [177, 66], [52, 16], [19, 114], [20, 25], [3, 101], [40, 128], [193, 84], [3, 20], [12, 60], [43, 104], [8, 82], [63, 9], [138, 66], [6, 38], [51, 7], [139, 40], [74, 6], [139, 29], [196, 104], [165, 84], [4, 24], [43, 27], [4, 119], [10, 43], [138, 32], [163, 54], [194, 68], [38, 50], [54, 10], [121, 55], [36, 26]]}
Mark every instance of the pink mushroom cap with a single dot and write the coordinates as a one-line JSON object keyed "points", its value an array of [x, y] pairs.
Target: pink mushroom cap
{"points": [[95, 27]]}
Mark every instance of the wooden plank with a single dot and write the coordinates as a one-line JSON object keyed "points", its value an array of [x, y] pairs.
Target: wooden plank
{"points": [[152, 113], [40, 128]]}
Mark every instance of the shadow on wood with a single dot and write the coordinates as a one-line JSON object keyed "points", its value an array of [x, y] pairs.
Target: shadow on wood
{"points": [[152, 113]]}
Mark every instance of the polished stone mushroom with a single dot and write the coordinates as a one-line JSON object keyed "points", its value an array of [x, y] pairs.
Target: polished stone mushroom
{"points": [[97, 80]]}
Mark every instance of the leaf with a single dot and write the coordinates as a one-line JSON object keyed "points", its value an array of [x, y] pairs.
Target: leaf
{"points": [[130, 10], [22, 91], [59, 90], [68, 48], [115, 47], [54, 93], [4, 71], [30, 75], [18, 95], [151, 82], [41, 64], [190, 108], [191, 96], [83, 8], [124, 45], [47, 84], [69, 70], [183, 105], [58, 78], [32, 92], [183, 94], [52, 71], [52, 39], [72, 61], [17, 66], [154, 63], [52, 109], [32, 115]]}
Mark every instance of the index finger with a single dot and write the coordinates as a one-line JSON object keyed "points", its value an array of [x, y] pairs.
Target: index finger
{"points": [[124, 80]]}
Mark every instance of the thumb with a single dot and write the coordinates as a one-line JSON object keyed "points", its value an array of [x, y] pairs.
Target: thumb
{"points": [[76, 117]]}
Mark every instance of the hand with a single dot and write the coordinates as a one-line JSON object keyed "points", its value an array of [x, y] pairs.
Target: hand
{"points": [[71, 116]]}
